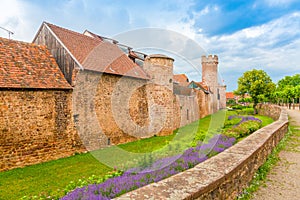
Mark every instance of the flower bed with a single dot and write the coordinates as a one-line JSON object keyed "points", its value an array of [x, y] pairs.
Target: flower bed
{"points": [[239, 126], [158, 170], [245, 126]]}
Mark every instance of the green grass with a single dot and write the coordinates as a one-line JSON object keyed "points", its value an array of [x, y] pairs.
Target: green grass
{"points": [[265, 120], [52, 177], [147, 144]]}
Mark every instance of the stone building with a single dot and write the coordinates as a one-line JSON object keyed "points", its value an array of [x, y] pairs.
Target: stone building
{"points": [[85, 91], [35, 107], [210, 79], [116, 99]]}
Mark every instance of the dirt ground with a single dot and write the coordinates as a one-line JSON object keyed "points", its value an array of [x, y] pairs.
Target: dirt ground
{"points": [[283, 181]]}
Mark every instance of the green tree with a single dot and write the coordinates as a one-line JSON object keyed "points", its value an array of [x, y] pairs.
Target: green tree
{"points": [[246, 100], [288, 88], [288, 80], [256, 83], [278, 96], [297, 93]]}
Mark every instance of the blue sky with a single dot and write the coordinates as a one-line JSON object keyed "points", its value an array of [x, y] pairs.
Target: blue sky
{"points": [[261, 34]]}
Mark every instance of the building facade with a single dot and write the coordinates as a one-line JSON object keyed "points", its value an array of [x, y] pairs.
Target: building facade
{"points": [[117, 100], [93, 93]]}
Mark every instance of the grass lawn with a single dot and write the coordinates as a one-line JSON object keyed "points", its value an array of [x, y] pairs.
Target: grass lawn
{"points": [[50, 177]]}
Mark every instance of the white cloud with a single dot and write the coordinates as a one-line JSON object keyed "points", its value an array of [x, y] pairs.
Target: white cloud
{"points": [[204, 11], [15, 16], [277, 3], [273, 47]]}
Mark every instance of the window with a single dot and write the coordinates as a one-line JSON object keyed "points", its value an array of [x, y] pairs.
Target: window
{"points": [[75, 117], [187, 114]]}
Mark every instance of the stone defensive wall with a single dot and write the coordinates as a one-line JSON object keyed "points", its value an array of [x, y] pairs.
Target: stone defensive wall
{"points": [[36, 126], [225, 175]]}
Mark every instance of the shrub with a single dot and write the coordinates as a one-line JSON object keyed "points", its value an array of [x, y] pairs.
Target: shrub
{"points": [[246, 111], [246, 126], [199, 137], [237, 107]]}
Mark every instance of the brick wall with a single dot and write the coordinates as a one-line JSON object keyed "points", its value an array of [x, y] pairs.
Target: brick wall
{"points": [[203, 103], [160, 94], [189, 109], [109, 109], [222, 100], [36, 126]]}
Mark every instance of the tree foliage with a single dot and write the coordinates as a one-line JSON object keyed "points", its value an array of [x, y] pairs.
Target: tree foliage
{"points": [[291, 81], [256, 83], [288, 88]]}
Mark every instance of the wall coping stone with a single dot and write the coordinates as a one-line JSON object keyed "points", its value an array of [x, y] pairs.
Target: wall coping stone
{"points": [[208, 179]]}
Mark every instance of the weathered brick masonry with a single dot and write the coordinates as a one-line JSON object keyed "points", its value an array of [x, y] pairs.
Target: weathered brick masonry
{"points": [[109, 109], [35, 107], [36, 126]]}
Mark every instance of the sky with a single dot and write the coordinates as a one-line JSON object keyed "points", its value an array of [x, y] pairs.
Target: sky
{"points": [[258, 34]]}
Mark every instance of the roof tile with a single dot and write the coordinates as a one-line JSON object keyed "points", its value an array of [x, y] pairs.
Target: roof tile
{"points": [[182, 79], [230, 95], [26, 65], [95, 54]]}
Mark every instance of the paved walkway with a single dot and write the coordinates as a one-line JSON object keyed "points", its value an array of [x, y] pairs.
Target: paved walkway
{"points": [[283, 182]]}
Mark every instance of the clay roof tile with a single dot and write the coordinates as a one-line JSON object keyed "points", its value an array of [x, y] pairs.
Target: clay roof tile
{"points": [[230, 95], [98, 55], [26, 65], [181, 79]]}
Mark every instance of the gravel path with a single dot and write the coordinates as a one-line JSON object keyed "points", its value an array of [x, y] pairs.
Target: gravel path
{"points": [[283, 181]]}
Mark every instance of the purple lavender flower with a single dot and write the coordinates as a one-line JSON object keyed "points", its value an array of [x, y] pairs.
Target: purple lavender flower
{"points": [[160, 169], [244, 119]]}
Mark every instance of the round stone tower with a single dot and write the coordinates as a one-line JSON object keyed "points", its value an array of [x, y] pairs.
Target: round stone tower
{"points": [[160, 69], [160, 93], [210, 78]]}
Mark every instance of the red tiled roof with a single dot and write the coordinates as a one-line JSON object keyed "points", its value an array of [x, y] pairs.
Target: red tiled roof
{"points": [[79, 45], [26, 65], [230, 95], [92, 35], [95, 54], [182, 79], [203, 85], [112, 61]]}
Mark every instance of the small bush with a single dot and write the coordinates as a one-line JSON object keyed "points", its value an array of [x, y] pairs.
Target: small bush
{"points": [[237, 107], [232, 122], [242, 126], [199, 137], [244, 129], [246, 111]]}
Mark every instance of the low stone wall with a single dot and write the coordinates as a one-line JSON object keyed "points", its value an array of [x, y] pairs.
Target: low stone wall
{"points": [[223, 176], [270, 110]]}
